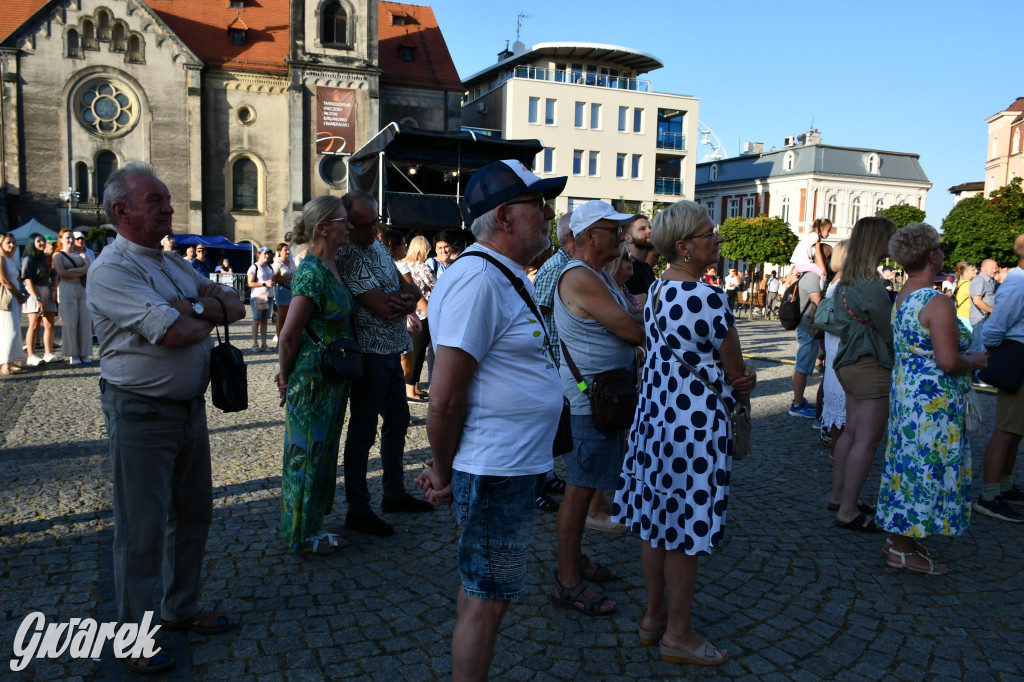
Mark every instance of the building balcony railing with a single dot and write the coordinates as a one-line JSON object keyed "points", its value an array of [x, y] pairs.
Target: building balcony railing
{"points": [[576, 77], [673, 186], [667, 140]]}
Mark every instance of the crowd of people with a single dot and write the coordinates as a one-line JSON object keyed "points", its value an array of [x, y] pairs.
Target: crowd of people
{"points": [[638, 371], [899, 364]]}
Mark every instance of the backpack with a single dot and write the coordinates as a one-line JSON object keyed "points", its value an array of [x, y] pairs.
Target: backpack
{"points": [[790, 311]]}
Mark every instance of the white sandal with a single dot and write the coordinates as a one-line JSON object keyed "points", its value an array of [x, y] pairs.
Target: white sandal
{"points": [[933, 568]]}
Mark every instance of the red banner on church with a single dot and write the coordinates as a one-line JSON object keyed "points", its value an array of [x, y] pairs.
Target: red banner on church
{"points": [[335, 120]]}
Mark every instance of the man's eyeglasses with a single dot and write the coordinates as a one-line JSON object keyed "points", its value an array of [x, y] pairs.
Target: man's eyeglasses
{"points": [[373, 223], [618, 229], [707, 235], [540, 202]]}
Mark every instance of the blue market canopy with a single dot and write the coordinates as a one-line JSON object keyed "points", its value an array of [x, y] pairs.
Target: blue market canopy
{"points": [[217, 242]]}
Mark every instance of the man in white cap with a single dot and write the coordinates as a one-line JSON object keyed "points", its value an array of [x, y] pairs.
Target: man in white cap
{"points": [[79, 246], [495, 400], [597, 334]]}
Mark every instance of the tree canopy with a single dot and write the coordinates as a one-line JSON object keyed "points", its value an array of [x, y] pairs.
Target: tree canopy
{"points": [[763, 239], [978, 227], [902, 214]]}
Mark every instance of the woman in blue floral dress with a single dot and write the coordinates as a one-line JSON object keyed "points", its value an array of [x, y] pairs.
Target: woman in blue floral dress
{"points": [[926, 480], [315, 404]]}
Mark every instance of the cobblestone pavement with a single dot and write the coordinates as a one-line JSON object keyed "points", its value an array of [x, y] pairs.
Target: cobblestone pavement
{"points": [[790, 596]]}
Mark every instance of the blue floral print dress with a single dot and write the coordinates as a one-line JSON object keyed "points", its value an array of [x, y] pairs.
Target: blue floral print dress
{"points": [[926, 479]]}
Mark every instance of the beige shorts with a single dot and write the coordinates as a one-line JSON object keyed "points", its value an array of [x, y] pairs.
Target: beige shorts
{"points": [[1010, 412], [865, 379]]}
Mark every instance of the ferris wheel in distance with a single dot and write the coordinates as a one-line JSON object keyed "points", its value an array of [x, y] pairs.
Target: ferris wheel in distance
{"points": [[707, 137]]}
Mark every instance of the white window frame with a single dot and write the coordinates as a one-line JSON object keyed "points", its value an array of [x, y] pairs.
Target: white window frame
{"points": [[831, 208], [595, 116], [734, 208], [594, 164], [636, 168], [623, 119], [579, 115], [550, 107], [577, 162], [549, 160], [854, 211], [533, 111], [785, 210], [620, 166], [748, 207]]}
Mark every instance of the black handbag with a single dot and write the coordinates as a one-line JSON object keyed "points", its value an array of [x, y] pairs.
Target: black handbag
{"points": [[613, 395], [1005, 366], [563, 441], [343, 359], [228, 376]]}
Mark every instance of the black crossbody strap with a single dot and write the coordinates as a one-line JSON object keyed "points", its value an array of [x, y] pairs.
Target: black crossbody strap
{"points": [[580, 382], [224, 309], [518, 285]]}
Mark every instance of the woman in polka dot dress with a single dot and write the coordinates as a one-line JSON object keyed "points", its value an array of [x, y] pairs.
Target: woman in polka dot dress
{"points": [[674, 485]]}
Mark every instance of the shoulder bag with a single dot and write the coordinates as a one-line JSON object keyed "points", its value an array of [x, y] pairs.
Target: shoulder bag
{"points": [[228, 376], [613, 395], [823, 317], [739, 419], [563, 441], [6, 298], [342, 360]]}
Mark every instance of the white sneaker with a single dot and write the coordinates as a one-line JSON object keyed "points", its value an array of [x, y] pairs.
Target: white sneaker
{"points": [[33, 361], [74, 361], [49, 357], [274, 340]]}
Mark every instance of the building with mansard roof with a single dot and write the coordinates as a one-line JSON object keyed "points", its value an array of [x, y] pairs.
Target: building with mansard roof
{"points": [[247, 108], [807, 179]]}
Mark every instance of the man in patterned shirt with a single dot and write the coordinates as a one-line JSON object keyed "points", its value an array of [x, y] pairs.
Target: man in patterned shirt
{"points": [[384, 300]]}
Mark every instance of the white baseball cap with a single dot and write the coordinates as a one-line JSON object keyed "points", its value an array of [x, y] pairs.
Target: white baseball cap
{"points": [[589, 213]]}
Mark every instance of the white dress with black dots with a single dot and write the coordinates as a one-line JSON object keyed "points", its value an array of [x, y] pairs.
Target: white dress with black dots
{"points": [[674, 485]]}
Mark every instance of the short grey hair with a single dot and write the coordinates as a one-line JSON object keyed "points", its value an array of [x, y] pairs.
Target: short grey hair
{"points": [[486, 225], [675, 223], [116, 188], [562, 230]]}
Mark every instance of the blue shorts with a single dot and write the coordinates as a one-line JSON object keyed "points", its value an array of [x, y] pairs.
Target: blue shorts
{"points": [[807, 350], [495, 515], [595, 460], [260, 314], [283, 295]]}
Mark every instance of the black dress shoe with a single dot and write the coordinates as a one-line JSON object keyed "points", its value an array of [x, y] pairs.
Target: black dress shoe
{"points": [[408, 504], [369, 523]]}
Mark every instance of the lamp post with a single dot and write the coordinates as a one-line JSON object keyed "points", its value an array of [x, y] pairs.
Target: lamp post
{"points": [[69, 196]]}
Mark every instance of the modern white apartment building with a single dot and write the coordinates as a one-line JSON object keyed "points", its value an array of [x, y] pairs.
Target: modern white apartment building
{"points": [[600, 123], [806, 179]]}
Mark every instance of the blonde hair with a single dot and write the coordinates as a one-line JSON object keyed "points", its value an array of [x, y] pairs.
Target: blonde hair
{"points": [[869, 238], [675, 223], [315, 211], [839, 255], [615, 263], [419, 249]]}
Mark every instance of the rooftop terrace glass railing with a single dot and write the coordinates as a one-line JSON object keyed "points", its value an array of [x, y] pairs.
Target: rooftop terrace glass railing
{"points": [[576, 77]]}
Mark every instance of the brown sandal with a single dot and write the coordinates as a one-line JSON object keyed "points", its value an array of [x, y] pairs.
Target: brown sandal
{"points": [[573, 598]]}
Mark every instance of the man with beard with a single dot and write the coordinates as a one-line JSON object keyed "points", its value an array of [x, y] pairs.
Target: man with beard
{"points": [[638, 242]]}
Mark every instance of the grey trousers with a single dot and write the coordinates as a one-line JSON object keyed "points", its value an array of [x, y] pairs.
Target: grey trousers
{"points": [[163, 501]]}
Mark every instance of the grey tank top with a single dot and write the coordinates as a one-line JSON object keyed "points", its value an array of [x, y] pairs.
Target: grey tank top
{"points": [[593, 348]]}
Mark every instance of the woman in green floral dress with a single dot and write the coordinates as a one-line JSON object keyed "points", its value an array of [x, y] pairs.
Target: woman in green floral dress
{"points": [[926, 481], [315, 404]]}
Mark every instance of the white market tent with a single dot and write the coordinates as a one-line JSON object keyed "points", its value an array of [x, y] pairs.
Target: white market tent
{"points": [[22, 233]]}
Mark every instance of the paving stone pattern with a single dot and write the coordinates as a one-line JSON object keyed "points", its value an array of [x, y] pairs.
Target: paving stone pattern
{"points": [[790, 596]]}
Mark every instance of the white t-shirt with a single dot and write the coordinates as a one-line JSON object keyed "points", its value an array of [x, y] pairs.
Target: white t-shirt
{"points": [[732, 282], [803, 254], [263, 273], [514, 399]]}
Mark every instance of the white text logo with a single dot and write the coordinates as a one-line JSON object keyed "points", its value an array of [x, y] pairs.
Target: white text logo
{"points": [[82, 638]]}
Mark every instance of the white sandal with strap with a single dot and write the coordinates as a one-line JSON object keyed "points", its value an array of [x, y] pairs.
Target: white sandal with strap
{"points": [[933, 568]]}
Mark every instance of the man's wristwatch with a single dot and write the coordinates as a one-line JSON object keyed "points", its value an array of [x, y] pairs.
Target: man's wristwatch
{"points": [[197, 307]]}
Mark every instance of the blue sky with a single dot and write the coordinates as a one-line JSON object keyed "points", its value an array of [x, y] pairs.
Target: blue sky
{"points": [[917, 77]]}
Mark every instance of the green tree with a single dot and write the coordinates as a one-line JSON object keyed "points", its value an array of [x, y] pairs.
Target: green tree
{"points": [[763, 239], [902, 214], [978, 228]]}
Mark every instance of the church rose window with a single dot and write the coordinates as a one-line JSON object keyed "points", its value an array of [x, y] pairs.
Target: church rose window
{"points": [[106, 108]]}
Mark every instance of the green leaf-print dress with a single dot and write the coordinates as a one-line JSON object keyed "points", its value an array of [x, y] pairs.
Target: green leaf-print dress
{"points": [[926, 479], [314, 409]]}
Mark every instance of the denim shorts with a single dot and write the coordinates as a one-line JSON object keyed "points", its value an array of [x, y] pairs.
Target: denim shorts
{"points": [[807, 350], [595, 460], [495, 515], [283, 295], [260, 314]]}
